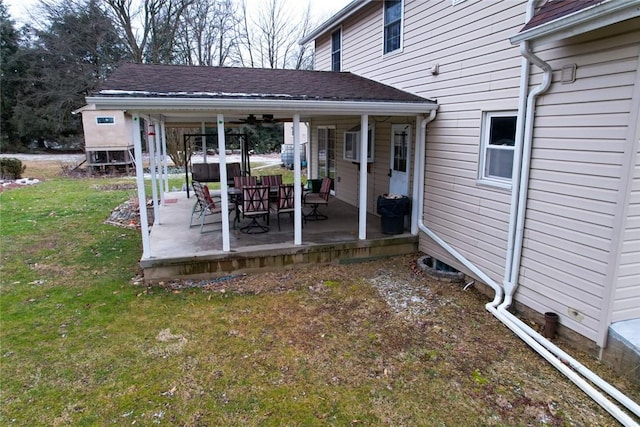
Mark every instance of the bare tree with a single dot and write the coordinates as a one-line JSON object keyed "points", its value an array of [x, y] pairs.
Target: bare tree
{"points": [[149, 27], [207, 34], [269, 37], [244, 36]]}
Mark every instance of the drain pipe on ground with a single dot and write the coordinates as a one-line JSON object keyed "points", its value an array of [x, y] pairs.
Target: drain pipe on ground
{"points": [[522, 333], [513, 265]]}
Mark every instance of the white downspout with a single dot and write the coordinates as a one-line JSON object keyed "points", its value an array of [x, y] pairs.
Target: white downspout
{"points": [[513, 264], [511, 276], [517, 157], [526, 335]]}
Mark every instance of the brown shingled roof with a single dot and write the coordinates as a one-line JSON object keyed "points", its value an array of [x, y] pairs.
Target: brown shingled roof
{"points": [[227, 82], [555, 9]]}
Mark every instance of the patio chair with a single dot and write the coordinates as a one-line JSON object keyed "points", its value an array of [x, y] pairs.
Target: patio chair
{"points": [[317, 199], [204, 205], [271, 180], [255, 204], [240, 182], [284, 203]]}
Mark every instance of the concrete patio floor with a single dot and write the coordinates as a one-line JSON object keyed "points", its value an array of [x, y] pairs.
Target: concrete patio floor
{"points": [[180, 251]]}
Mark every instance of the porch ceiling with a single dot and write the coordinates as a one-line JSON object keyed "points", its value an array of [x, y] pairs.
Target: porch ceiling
{"points": [[193, 94]]}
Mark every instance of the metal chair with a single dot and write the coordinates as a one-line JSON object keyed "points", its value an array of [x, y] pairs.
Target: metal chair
{"points": [[317, 199], [284, 203], [204, 205], [255, 203]]}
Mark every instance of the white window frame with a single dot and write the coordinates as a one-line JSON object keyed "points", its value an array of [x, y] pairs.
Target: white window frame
{"points": [[328, 163], [384, 27], [485, 148], [110, 123], [351, 145], [339, 50]]}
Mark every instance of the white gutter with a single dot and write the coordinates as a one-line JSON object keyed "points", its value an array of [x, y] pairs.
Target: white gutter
{"points": [[556, 357], [284, 105]]}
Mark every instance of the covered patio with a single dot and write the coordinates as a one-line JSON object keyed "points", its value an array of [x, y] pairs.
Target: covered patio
{"points": [[187, 96], [183, 252]]}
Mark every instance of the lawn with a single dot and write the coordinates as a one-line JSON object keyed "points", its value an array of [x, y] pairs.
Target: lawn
{"points": [[84, 342]]}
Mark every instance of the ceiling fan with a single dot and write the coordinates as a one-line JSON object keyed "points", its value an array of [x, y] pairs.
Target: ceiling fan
{"points": [[254, 121]]}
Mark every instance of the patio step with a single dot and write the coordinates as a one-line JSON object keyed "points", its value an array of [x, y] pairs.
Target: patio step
{"points": [[274, 257]]}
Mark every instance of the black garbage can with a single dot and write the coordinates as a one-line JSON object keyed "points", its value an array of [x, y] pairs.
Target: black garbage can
{"points": [[392, 210]]}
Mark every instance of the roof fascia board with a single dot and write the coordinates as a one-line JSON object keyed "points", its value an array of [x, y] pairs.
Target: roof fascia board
{"points": [[580, 22], [391, 108], [335, 20]]}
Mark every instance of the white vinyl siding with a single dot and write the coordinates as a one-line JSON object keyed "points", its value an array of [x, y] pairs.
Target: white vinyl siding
{"points": [[347, 179], [479, 71], [579, 166]]}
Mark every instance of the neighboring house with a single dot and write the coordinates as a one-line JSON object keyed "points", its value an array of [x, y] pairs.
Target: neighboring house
{"points": [[543, 198], [108, 137]]}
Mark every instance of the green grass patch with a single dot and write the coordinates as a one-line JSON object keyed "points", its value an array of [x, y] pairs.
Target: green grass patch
{"points": [[81, 344]]}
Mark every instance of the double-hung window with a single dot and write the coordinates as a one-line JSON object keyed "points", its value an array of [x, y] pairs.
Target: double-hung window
{"points": [[336, 50], [392, 25], [497, 147]]}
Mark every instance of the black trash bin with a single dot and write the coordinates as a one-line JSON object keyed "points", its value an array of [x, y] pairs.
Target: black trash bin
{"points": [[392, 210]]}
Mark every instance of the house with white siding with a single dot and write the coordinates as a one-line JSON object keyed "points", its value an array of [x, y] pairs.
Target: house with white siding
{"points": [[529, 176]]}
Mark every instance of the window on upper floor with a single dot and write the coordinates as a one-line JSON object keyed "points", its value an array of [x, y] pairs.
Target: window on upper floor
{"points": [[392, 25], [336, 50], [497, 148]]}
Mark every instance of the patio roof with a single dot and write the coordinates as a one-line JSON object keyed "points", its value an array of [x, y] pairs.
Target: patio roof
{"points": [[183, 90]]}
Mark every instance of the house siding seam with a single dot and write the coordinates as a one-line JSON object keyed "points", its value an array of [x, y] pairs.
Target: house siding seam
{"points": [[579, 161], [626, 301]]}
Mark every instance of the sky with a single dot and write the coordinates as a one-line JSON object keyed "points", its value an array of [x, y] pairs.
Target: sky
{"points": [[322, 9]]}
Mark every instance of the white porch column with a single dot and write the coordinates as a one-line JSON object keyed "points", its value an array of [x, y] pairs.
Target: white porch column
{"points": [[307, 154], [364, 134], [418, 175], [203, 130], [151, 138], [165, 166], [226, 245], [142, 197], [159, 171], [297, 182]]}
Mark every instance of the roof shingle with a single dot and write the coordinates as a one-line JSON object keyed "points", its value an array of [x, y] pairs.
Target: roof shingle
{"points": [[229, 82], [556, 9]]}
